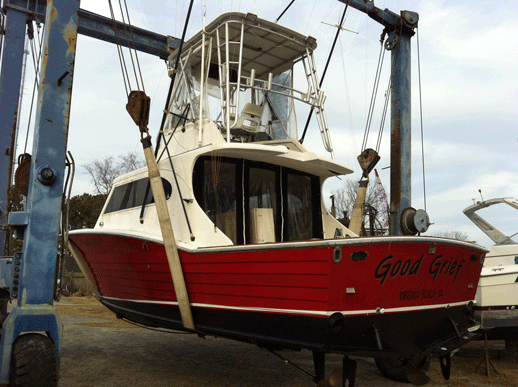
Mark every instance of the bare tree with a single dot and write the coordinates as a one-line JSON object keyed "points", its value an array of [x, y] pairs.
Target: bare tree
{"points": [[346, 196], [461, 236], [131, 161], [104, 171]]}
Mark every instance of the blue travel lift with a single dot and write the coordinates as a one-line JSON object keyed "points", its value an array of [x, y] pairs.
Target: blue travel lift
{"points": [[31, 337], [29, 278]]}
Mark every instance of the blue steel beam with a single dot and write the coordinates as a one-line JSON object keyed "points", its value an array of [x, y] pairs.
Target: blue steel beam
{"points": [[399, 28], [34, 270], [10, 79], [89, 24], [400, 134], [385, 17], [100, 27], [48, 154], [33, 8]]}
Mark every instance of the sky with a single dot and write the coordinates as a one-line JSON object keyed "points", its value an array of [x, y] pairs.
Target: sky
{"points": [[468, 57]]}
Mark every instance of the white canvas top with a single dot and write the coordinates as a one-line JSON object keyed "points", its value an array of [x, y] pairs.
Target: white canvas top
{"points": [[268, 47]]}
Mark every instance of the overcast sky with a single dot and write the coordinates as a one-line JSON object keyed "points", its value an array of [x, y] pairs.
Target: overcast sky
{"points": [[468, 60]]}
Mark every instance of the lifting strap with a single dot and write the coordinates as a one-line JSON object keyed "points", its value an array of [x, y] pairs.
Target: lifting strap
{"points": [[138, 108], [359, 207], [171, 249]]}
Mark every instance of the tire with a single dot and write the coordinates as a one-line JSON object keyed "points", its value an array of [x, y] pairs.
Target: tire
{"points": [[396, 368], [34, 362]]}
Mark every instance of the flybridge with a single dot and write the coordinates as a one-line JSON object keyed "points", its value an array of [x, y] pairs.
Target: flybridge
{"points": [[245, 66]]}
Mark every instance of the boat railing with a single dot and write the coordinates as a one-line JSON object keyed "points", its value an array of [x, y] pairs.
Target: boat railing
{"points": [[251, 63]]}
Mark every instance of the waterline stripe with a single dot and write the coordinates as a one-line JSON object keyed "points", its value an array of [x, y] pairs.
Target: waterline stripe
{"points": [[298, 311]]}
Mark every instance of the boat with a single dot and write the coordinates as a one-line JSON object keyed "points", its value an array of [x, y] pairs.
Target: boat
{"points": [[496, 305], [262, 259]]}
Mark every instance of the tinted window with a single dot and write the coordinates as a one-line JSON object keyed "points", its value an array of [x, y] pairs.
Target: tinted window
{"points": [[254, 202], [216, 191], [300, 208], [132, 195]]}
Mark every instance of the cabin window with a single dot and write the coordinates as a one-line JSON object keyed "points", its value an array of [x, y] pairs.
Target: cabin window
{"points": [[299, 219], [219, 195], [262, 215], [132, 195], [253, 202]]}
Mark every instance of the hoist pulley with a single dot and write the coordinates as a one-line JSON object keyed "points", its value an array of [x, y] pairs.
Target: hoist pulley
{"points": [[368, 160], [138, 108]]}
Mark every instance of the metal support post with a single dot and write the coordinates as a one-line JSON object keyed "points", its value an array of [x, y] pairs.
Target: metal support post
{"points": [[36, 267], [400, 29], [10, 80], [401, 134]]}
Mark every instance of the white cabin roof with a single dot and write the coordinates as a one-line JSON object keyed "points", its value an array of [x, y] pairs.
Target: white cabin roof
{"points": [[267, 47]]}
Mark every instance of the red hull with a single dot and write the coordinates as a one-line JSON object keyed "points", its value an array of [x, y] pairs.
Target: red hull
{"points": [[360, 277]]}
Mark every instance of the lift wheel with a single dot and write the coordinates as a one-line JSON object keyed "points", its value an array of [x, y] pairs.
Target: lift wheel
{"points": [[34, 362]]}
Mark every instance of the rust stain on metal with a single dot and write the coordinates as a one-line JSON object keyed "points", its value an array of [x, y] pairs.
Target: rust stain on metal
{"points": [[170, 41], [51, 17], [22, 175], [15, 121], [368, 160], [9, 151], [44, 62], [70, 36], [395, 160]]}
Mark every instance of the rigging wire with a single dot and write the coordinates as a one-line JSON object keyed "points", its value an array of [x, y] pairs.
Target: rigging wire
{"points": [[131, 47], [131, 44], [36, 84], [325, 70], [283, 12], [372, 104], [122, 60], [384, 114], [33, 50], [178, 188], [373, 97], [166, 108], [182, 117], [309, 19], [175, 69], [385, 106], [287, 361], [347, 94], [421, 116], [40, 36]]}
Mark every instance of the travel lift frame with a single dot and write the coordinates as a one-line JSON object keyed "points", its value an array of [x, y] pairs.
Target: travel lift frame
{"points": [[30, 276]]}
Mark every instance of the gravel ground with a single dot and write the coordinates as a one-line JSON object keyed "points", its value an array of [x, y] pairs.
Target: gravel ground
{"points": [[101, 351]]}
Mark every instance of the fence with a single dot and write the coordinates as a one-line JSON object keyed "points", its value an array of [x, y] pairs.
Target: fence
{"points": [[77, 282]]}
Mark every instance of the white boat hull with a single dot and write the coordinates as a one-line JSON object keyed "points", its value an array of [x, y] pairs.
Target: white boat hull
{"points": [[497, 293]]}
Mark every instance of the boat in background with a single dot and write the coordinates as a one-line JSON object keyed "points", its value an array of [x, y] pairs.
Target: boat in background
{"points": [[263, 259], [497, 295]]}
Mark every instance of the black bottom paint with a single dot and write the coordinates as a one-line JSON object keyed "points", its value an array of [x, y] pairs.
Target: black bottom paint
{"points": [[398, 334]]}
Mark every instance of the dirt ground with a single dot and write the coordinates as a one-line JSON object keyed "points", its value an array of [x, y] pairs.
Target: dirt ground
{"points": [[102, 351]]}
